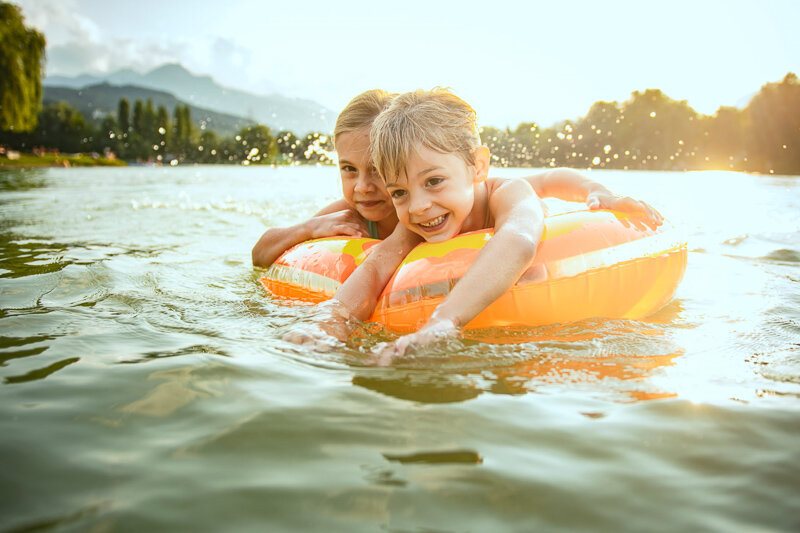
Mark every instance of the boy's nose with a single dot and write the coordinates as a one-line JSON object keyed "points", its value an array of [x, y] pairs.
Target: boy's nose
{"points": [[418, 204]]}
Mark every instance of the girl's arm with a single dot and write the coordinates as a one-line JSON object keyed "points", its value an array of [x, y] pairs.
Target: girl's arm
{"points": [[519, 224], [572, 186], [335, 219]]}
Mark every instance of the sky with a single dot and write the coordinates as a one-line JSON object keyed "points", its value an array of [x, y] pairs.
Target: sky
{"points": [[532, 61]]}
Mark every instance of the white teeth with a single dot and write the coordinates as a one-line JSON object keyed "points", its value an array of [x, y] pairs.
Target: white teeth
{"points": [[435, 222]]}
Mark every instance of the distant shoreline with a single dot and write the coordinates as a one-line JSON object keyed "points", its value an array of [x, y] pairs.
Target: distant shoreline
{"points": [[22, 160]]}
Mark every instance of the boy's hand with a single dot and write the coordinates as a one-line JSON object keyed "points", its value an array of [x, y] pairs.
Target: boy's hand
{"points": [[433, 331], [345, 223], [625, 204]]}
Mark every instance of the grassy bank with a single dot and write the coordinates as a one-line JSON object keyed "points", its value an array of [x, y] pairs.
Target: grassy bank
{"points": [[60, 160]]}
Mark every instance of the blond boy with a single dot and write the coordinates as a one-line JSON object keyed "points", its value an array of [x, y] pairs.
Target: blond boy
{"points": [[427, 149]]}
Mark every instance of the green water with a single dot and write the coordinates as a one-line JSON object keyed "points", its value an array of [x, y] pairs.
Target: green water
{"points": [[145, 385]]}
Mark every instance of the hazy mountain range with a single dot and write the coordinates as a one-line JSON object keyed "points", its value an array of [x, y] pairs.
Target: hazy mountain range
{"points": [[201, 92], [97, 101]]}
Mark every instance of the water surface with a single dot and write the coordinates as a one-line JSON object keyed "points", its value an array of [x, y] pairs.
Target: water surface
{"points": [[145, 385]]}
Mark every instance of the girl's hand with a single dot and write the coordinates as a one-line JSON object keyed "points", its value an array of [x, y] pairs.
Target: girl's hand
{"points": [[625, 204], [312, 336], [340, 223], [330, 327]]}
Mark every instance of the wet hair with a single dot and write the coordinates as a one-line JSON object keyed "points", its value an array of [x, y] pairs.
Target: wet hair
{"points": [[436, 119], [361, 111]]}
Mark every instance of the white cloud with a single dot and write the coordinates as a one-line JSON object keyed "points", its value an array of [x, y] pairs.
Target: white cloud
{"points": [[78, 57], [61, 22]]}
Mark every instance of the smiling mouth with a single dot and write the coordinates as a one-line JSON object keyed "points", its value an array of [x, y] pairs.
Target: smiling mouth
{"points": [[371, 203], [435, 224]]}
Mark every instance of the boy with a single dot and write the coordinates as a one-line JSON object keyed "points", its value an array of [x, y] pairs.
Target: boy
{"points": [[427, 149]]}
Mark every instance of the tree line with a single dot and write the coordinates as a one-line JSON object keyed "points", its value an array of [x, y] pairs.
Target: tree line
{"points": [[651, 131], [144, 133]]}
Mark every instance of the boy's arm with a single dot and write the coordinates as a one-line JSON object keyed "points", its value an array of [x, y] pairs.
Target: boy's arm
{"points": [[357, 296], [360, 292], [519, 224], [335, 219], [572, 186]]}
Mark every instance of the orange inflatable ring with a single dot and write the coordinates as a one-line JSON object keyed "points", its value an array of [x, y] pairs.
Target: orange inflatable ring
{"points": [[588, 264]]}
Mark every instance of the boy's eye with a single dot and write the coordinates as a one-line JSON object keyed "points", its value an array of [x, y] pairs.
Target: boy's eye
{"points": [[434, 181], [397, 194]]}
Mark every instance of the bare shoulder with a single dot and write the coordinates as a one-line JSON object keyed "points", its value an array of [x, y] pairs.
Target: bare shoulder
{"points": [[512, 196], [507, 186]]}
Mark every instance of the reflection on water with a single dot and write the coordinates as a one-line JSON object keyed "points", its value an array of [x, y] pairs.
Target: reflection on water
{"points": [[30, 257], [617, 353], [457, 456], [146, 386], [177, 388], [41, 373], [22, 179]]}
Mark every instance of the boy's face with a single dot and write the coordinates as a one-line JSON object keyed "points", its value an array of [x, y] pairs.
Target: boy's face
{"points": [[436, 195], [362, 187]]}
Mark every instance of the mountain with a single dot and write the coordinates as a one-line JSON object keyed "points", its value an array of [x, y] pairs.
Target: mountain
{"points": [[102, 99], [276, 111]]}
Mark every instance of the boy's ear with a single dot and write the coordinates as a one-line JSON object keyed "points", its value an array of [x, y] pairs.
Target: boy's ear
{"points": [[481, 156]]}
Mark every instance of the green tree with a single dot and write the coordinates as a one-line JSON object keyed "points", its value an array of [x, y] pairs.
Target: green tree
{"points": [[724, 145], [62, 126], [21, 65], [208, 148], [150, 125], [108, 135], [138, 117], [658, 132], [594, 141], [290, 148], [773, 116], [162, 123], [182, 130], [256, 145], [124, 116], [188, 127], [526, 136], [137, 146], [317, 148]]}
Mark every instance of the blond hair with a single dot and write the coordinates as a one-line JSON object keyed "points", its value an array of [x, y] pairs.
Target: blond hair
{"points": [[361, 111], [436, 119]]}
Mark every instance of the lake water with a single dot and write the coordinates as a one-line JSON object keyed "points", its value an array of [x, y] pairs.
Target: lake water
{"points": [[145, 385]]}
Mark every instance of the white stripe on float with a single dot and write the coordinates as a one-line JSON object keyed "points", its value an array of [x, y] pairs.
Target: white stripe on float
{"points": [[651, 246], [302, 278]]}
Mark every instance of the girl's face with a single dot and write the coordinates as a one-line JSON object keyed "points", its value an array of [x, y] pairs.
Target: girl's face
{"points": [[362, 187], [436, 195]]}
